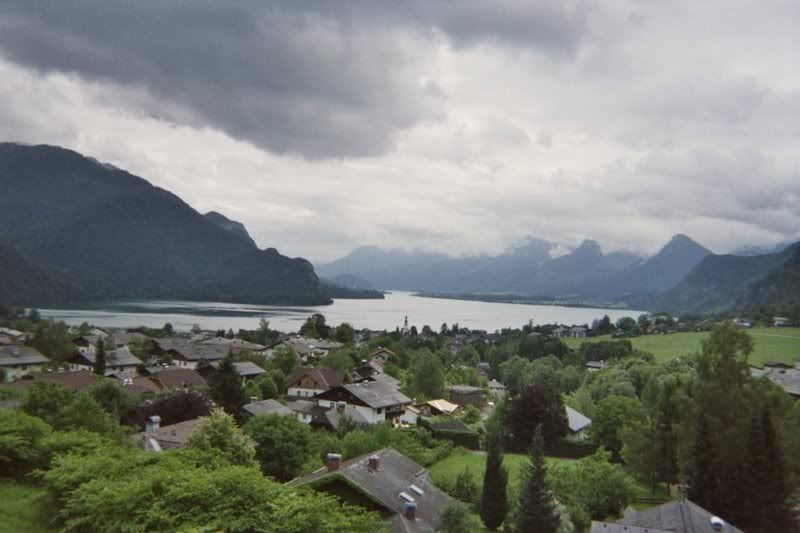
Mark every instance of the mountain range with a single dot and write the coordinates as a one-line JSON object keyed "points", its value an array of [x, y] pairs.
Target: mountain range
{"points": [[682, 276], [73, 229]]}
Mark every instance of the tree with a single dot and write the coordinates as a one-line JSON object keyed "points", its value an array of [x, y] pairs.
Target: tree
{"points": [[219, 435], [52, 339], [537, 406], [455, 518], [427, 375], [266, 385], [465, 488], [100, 359], [536, 509], [627, 325], [494, 495], [285, 359], [344, 333], [769, 507], [702, 477], [113, 398], [168, 329], [82, 412], [21, 442], [283, 444], [225, 387], [609, 418], [172, 408]]}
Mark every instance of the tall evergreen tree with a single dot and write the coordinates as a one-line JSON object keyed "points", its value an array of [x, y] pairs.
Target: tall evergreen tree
{"points": [[536, 510], [702, 475], [100, 358], [768, 508], [226, 388], [494, 497]]}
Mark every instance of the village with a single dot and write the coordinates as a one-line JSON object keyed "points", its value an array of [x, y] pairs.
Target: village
{"points": [[400, 422]]}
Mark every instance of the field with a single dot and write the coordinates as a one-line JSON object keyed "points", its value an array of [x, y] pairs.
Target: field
{"points": [[771, 344], [453, 465], [20, 508]]}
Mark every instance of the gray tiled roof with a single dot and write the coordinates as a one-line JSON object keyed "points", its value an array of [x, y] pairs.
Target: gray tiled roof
{"points": [[576, 420], [605, 527], [377, 394], [327, 377], [21, 355], [395, 475], [305, 406], [122, 356], [268, 407], [683, 516]]}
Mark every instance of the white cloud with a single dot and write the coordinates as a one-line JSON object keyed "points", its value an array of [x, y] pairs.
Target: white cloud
{"points": [[642, 120]]}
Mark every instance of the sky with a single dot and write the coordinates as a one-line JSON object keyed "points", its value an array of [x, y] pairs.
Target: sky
{"points": [[461, 127]]}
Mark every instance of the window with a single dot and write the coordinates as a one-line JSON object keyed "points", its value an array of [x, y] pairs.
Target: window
{"points": [[379, 410]]}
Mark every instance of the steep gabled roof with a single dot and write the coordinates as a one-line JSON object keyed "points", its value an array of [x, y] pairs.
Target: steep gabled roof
{"points": [[682, 516], [173, 378], [396, 475], [576, 420], [377, 394], [327, 377], [21, 355]]}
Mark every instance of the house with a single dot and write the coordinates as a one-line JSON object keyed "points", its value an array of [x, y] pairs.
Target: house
{"points": [[439, 407], [372, 371], [594, 366], [381, 356], [267, 407], [377, 401], [237, 346], [187, 354], [387, 482], [781, 321], [496, 389], [12, 334], [449, 425], [466, 395], [605, 527], [782, 375], [306, 382], [742, 323], [156, 437], [331, 419], [483, 369], [577, 332], [18, 361], [410, 417], [306, 410], [578, 425], [308, 349], [117, 360], [246, 369], [178, 378], [560, 331], [679, 516], [5, 340]]}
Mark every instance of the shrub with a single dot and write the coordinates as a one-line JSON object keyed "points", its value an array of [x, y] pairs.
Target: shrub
{"points": [[21, 443]]}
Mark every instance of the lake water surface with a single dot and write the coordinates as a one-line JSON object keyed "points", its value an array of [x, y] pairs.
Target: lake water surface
{"points": [[373, 314]]}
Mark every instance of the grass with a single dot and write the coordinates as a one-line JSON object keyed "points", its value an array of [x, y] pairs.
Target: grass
{"points": [[450, 467], [21, 508], [771, 344]]}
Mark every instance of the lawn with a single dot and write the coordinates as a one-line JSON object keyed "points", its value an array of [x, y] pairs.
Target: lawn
{"points": [[771, 344], [450, 467], [20, 508]]}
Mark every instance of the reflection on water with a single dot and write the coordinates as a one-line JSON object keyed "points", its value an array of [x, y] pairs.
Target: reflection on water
{"points": [[372, 314]]}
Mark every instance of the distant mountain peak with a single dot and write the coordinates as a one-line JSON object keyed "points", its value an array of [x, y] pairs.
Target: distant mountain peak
{"points": [[237, 228], [681, 241]]}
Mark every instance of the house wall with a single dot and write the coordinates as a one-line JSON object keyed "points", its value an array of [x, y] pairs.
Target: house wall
{"points": [[303, 392], [17, 371]]}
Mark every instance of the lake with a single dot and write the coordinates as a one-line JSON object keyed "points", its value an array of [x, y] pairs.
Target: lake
{"points": [[373, 314]]}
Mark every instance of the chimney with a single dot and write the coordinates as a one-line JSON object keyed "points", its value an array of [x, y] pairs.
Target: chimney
{"points": [[410, 511], [374, 463], [152, 424], [333, 460], [717, 523]]}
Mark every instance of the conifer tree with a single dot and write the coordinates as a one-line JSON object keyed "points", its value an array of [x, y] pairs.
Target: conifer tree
{"points": [[494, 496], [536, 510], [702, 476], [768, 506], [100, 358], [226, 388]]}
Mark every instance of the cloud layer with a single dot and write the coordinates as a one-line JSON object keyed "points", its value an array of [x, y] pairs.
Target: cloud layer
{"points": [[459, 127]]}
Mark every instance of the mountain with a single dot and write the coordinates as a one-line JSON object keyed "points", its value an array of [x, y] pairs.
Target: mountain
{"points": [[721, 282], [528, 268], [20, 276], [237, 228], [762, 250], [109, 234]]}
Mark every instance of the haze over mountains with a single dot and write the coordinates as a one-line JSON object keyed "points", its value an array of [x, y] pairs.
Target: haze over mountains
{"points": [[682, 276]]}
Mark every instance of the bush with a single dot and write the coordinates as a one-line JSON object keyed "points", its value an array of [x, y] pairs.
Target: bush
{"points": [[416, 444], [21, 443], [283, 444], [467, 439], [465, 488]]}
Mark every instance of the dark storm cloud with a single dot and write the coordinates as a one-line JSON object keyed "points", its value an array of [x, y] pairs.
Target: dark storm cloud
{"points": [[319, 79]]}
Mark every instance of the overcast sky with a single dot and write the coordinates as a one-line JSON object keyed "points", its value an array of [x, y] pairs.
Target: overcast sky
{"points": [[455, 126]]}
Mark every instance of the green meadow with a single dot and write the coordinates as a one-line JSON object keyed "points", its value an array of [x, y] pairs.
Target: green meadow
{"points": [[771, 344], [21, 508]]}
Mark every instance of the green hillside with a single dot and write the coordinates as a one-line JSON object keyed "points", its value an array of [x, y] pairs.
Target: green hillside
{"points": [[771, 344]]}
